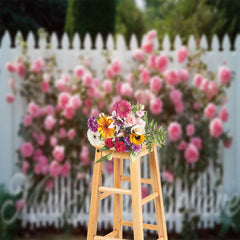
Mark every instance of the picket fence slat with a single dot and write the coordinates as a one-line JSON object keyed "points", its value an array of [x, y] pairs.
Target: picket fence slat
{"points": [[51, 210]]}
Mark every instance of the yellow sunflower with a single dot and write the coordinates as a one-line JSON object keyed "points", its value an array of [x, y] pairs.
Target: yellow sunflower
{"points": [[103, 127], [137, 139]]}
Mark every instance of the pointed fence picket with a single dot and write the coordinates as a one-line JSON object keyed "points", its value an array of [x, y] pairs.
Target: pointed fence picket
{"points": [[204, 197]]}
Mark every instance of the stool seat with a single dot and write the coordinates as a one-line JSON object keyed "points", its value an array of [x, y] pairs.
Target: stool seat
{"points": [[101, 192]]}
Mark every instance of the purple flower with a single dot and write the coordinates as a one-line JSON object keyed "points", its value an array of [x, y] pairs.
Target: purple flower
{"points": [[92, 124], [127, 140], [136, 148]]}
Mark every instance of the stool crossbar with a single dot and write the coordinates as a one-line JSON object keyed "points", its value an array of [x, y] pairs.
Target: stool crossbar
{"points": [[100, 192]]}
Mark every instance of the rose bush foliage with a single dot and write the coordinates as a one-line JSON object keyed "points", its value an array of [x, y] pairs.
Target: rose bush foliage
{"points": [[188, 100]]}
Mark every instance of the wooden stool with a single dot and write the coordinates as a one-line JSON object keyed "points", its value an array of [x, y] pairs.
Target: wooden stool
{"points": [[99, 193]]}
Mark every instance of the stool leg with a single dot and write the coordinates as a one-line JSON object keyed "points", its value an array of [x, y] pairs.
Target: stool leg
{"points": [[136, 199], [117, 198], [158, 202], [94, 207]]}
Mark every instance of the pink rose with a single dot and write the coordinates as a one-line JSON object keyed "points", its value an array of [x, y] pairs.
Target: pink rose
{"points": [[87, 80], [27, 149], [25, 167], [145, 75], [55, 169], [119, 88], [162, 63], [145, 191], [151, 61], [216, 128], [33, 109], [27, 120], [197, 142], [182, 145], [224, 115], [151, 35], [155, 84], [10, 67], [66, 169], [212, 89], [11, 83], [190, 129], [10, 98], [141, 122], [58, 153], [71, 134], [182, 54], [107, 86], [49, 122], [210, 110], [79, 72], [49, 185], [179, 106], [69, 112], [109, 72], [140, 113], [171, 77], [191, 153], [228, 143], [60, 85], [183, 75], [37, 66], [63, 99], [116, 67], [204, 85], [62, 132], [224, 75], [79, 176], [175, 96], [147, 47], [174, 131], [75, 101], [53, 141], [156, 106], [126, 90], [195, 106], [197, 81], [168, 176], [84, 156], [45, 86], [20, 69], [130, 119], [41, 139], [138, 54]]}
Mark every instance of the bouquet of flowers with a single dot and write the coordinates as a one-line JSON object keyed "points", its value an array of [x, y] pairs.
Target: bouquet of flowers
{"points": [[126, 130]]}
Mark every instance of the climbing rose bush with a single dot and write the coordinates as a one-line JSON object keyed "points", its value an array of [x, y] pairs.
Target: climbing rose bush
{"points": [[188, 100]]}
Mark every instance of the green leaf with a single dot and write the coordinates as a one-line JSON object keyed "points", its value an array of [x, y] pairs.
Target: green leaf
{"points": [[104, 148], [106, 157]]}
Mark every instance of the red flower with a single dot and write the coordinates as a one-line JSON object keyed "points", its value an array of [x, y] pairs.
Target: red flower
{"points": [[109, 143], [120, 147]]}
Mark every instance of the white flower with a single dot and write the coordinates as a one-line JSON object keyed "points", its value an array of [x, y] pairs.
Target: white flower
{"points": [[94, 138], [138, 129]]}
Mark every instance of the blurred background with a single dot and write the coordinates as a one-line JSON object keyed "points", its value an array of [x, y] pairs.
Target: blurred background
{"points": [[72, 27]]}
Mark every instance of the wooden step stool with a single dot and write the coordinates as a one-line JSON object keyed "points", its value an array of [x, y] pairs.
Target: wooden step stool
{"points": [[99, 193]]}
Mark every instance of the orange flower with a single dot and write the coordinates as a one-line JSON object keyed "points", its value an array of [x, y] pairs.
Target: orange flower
{"points": [[104, 123]]}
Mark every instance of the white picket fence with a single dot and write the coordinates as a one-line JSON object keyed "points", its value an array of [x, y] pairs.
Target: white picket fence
{"points": [[206, 199]]}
